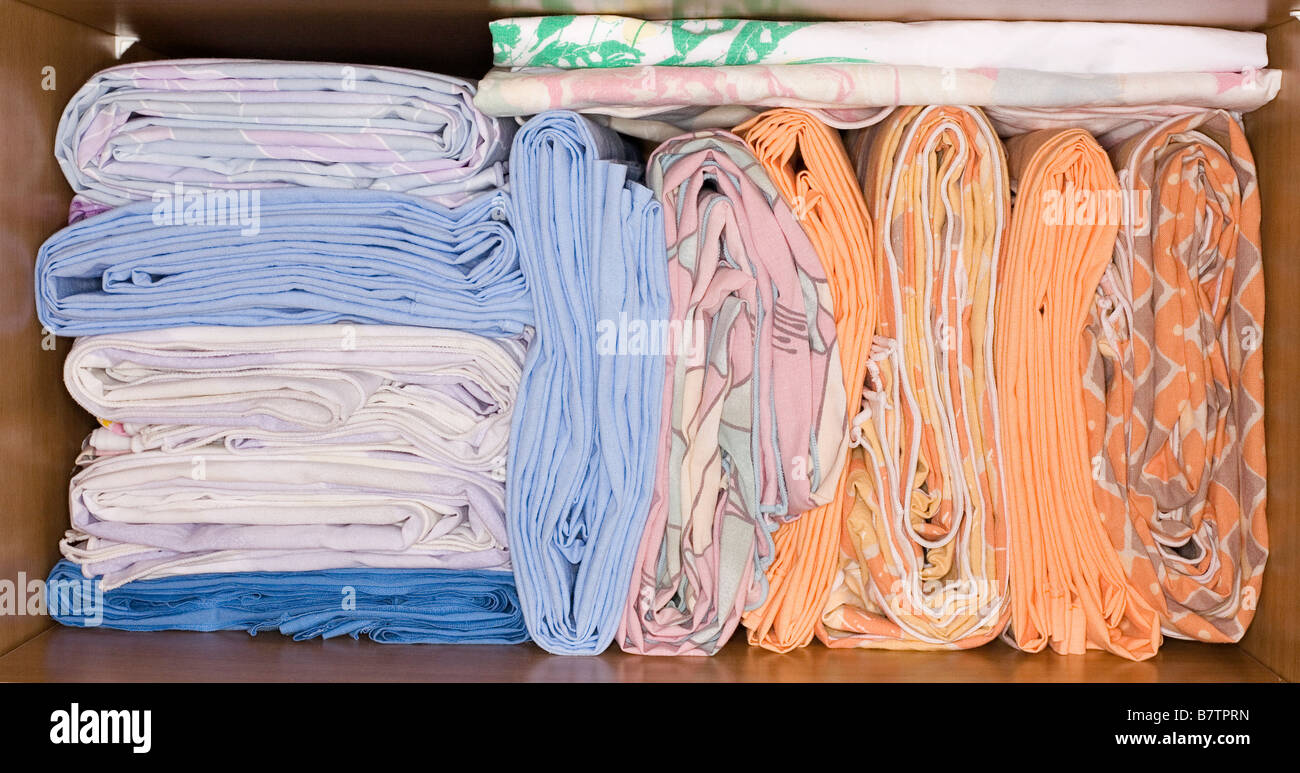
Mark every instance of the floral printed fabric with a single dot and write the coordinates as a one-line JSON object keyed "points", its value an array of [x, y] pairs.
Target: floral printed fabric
{"points": [[923, 560], [572, 42], [754, 419], [846, 95]]}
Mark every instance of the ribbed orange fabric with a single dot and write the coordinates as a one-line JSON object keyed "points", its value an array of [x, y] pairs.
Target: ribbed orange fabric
{"points": [[806, 161], [923, 550], [1069, 587]]}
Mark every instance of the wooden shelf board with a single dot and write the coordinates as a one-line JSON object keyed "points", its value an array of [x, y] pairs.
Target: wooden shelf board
{"points": [[101, 655]]}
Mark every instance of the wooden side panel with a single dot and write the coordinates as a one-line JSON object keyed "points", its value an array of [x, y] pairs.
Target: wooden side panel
{"points": [[1274, 133], [40, 427]]}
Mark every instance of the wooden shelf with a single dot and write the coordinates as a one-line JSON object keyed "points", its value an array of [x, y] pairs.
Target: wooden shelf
{"points": [[101, 655]]}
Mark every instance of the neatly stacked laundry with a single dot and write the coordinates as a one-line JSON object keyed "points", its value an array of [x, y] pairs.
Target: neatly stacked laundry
{"points": [[304, 323], [906, 336]]}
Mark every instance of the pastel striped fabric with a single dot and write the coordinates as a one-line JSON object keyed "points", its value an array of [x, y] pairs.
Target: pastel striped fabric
{"points": [[136, 129], [297, 257], [807, 163], [754, 411], [402, 606], [584, 436], [1175, 389], [924, 561], [291, 449]]}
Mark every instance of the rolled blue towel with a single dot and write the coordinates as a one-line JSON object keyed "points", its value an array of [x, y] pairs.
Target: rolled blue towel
{"points": [[584, 436], [285, 257], [404, 606]]}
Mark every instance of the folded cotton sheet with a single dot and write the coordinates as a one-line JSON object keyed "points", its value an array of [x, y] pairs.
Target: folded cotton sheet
{"points": [[291, 448], [585, 433], [403, 606], [843, 95], [754, 413], [923, 562], [314, 257], [571, 42], [440, 394], [1069, 586], [807, 163], [135, 129], [1175, 387]]}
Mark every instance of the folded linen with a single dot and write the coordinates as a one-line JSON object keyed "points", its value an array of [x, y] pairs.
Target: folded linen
{"points": [[846, 95], [807, 163], [404, 606], [443, 395], [291, 448], [1069, 589], [923, 563], [134, 129], [755, 419], [572, 42], [1176, 385], [316, 256], [585, 432]]}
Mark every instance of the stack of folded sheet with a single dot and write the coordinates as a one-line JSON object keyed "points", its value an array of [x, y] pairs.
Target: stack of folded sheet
{"points": [[304, 328]]}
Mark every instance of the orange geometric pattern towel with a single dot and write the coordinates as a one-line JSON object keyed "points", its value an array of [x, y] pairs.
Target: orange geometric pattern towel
{"points": [[1069, 587], [1177, 385], [923, 551], [806, 161]]}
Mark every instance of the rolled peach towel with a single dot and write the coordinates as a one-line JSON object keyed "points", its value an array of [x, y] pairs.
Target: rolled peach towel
{"points": [[1069, 588], [1176, 387], [807, 163], [923, 549]]}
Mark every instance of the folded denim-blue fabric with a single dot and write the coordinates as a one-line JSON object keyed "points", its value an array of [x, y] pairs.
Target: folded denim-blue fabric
{"points": [[404, 606], [584, 436], [285, 257]]}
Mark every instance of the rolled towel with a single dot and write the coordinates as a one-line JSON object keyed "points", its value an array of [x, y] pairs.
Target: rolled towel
{"points": [[584, 436], [258, 463], [806, 161], [571, 42], [308, 257], [755, 410], [135, 129], [403, 606], [1176, 386], [924, 562]]}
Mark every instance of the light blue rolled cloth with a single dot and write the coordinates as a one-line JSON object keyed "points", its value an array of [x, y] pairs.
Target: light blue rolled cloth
{"points": [[406, 606], [584, 436], [285, 257]]}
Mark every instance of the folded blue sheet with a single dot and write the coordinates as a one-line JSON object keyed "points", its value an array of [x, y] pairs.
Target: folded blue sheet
{"points": [[584, 436], [285, 257], [405, 606]]}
